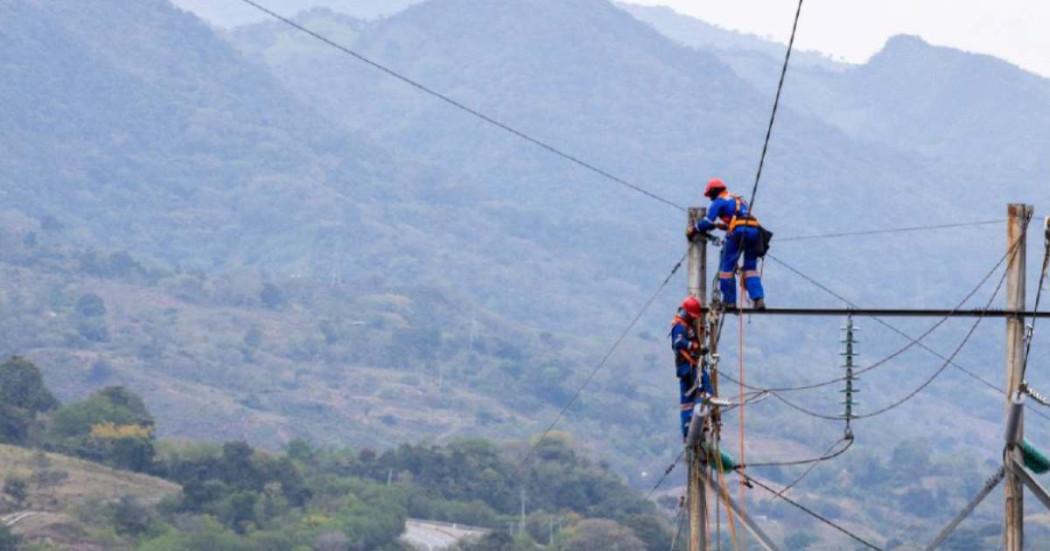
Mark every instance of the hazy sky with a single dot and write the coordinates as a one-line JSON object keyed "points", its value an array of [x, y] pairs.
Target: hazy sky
{"points": [[1015, 30]]}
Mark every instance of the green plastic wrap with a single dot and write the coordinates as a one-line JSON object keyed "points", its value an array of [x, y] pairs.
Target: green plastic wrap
{"points": [[728, 461], [1034, 459]]}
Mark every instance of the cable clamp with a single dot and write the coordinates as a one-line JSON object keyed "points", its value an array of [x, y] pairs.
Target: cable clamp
{"points": [[1035, 394]]}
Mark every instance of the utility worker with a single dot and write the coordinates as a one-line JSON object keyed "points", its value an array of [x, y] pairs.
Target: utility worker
{"points": [[743, 235], [688, 353]]}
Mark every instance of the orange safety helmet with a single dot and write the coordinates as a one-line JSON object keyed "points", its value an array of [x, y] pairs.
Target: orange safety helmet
{"points": [[714, 187], [692, 306]]}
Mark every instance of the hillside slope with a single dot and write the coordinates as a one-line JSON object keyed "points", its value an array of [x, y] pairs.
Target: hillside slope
{"points": [[289, 243], [62, 491]]}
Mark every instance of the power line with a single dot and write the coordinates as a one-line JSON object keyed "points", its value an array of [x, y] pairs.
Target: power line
{"points": [[463, 107], [912, 341], [776, 104], [887, 230], [810, 512], [1038, 298], [667, 473], [929, 380], [828, 455], [891, 327], [605, 358]]}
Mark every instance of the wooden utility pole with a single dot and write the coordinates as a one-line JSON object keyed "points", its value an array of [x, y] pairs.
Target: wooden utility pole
{"points": [[1018, 217], [696, 498]]}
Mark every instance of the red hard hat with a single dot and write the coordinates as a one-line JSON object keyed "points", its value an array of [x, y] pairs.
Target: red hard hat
{"points": [[692, 306], [715, 186]]}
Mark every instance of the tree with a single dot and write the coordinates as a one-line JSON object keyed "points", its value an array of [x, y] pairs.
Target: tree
{"points": [[22, 396], [493, 541], [17, 488], [91, 306], [15, 425], [272, 296], [603, 534], [8, 540], [22, 386], [650, 530], [129, 516], [331, 541], [112, 426], [238, 511]]}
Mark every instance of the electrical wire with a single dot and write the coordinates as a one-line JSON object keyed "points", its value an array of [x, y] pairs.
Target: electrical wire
{"points": [[929, 381], [904, 229], [912, 341], [679, 521], [667, 473], [811, 512], [776, 104], [828, 455], [1038, 298], [921, 387], [605, 358], [813, 466], [463, 107], [891, 327]]}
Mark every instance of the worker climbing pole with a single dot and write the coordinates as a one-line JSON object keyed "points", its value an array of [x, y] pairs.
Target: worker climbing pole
{"points": [[744, 237]]}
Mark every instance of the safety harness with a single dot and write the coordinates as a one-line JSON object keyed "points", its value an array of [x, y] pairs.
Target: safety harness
{"points": [[737, 219], [694, 342]]}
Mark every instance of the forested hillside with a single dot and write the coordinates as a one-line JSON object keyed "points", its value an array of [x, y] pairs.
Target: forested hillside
{"points": [[270, 240], [130, 490]]}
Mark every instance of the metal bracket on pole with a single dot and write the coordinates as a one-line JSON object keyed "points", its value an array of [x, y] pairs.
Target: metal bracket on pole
{"points": [[1029, 480], [749, 523], [987, 489]]}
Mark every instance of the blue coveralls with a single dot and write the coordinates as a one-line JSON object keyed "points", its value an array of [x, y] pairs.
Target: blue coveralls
{"points": [[685, 343], [741, 237]]}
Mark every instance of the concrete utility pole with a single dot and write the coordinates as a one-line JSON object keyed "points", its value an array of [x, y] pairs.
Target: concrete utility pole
{"points": [[1018, 217], [696, 498]]}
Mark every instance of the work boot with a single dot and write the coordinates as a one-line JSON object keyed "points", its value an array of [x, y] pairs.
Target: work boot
{"points": [[760, 304]]}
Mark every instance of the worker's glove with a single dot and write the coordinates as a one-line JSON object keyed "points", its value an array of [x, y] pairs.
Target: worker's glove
{"points": [[690, 233]]}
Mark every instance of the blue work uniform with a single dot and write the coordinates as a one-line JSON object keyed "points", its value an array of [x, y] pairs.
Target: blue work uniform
{"points": [[686, 345], [742, 236]]}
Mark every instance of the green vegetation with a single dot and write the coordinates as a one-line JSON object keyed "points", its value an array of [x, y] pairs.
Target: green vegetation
{"points": [[236, 497], [23, 397]]}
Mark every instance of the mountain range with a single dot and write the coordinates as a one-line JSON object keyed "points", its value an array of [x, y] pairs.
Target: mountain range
{"points": [[288, 241]]}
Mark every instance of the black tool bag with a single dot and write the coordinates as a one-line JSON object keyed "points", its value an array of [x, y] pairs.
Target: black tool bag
{"points": [[764, 238]]}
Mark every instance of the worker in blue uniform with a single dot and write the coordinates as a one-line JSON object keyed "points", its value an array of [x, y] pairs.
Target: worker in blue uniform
{"points": [[688, 353], [744, 235]]}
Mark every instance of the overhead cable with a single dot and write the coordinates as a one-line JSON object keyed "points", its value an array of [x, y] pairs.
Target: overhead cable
{"points": [[1038, 298], [810, 512], [887, 230], [463, 107], [605, 358], [921, 387], [829, 455], [776, 104], [912, 340]]}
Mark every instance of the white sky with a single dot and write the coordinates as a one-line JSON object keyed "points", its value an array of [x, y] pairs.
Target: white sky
{"points": [[1015, 30]]}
